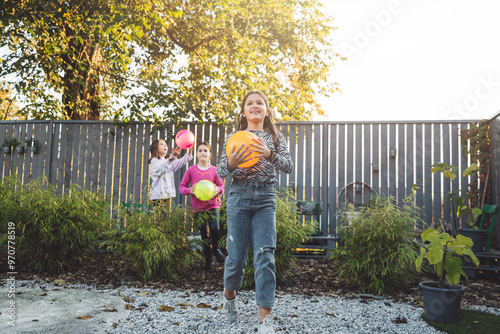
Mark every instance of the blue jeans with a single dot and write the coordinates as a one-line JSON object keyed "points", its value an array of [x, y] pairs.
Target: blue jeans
{"points": [[251, 221]]}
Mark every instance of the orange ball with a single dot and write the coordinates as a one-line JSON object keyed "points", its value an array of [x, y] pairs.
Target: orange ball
{"points": [[242, 138]]}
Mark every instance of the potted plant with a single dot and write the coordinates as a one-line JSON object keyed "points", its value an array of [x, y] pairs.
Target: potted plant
{"points": [[7, 144], [444, 253], [33, 144], [19, 148], [15, 143]]}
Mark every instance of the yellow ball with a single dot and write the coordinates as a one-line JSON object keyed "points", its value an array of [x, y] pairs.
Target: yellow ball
{"points": [[205, 190]]}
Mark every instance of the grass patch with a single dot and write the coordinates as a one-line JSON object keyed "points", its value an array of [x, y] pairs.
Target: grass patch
{"points": [[470, 321]]}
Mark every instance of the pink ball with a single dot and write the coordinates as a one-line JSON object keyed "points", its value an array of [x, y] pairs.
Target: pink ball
{"points": [[184, 139]]}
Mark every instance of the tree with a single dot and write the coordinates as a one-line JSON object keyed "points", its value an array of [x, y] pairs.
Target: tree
{"points": [[165, 59], [8, 108]]}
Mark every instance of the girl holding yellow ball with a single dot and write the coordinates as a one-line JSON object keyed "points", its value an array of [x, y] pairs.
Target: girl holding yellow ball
{"points": [[205, 208]]}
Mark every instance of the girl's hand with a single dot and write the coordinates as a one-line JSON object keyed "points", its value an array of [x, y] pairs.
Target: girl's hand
{"points": [[190, 149], [176, 151], [261, 148], [237, 156], [191, 190]]}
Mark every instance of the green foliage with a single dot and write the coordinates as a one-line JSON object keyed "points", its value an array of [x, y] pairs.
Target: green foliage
{"points": [[8, 107], [290, 236], [157, 243], [78, 59], [469, 321], [51, 231], [445, 254], [463, 201], [476, 147], [10, 143], [32, 142], [378, 251]]}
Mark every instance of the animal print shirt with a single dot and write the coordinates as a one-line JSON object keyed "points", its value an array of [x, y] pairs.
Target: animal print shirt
{"points": [[264, 171]]}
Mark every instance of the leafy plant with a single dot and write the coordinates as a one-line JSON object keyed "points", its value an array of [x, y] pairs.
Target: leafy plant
{"points": [[378, 251], [10, 143], [52, 231], [290, 235], [445, 254], [10, 205], [32, 142], [157, 243], [476, 144], [463, 201]]}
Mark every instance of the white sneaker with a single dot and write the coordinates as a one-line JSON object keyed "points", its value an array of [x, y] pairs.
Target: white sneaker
{"points": [[266, 326], [229, 308]]}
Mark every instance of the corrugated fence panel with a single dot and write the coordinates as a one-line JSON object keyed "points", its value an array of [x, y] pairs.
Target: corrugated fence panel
{"points": [[419, 166], [410, 159], [341, 149], [383, 166], [112, 158], [331, 168], [495, 170], [7, 156], [367, 155], [326, 150], [375, 162], [446, 182], [401, 164]]}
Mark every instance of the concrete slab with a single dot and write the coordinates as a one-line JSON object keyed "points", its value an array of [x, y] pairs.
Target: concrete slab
{"points": [[57, 310]]}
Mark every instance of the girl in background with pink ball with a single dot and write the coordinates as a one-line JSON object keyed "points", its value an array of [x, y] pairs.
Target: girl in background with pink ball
{"points": [[206, 212], [162, 170]]}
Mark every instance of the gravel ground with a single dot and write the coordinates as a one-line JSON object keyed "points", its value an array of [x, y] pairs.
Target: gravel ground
{"points": [[169, 311]]}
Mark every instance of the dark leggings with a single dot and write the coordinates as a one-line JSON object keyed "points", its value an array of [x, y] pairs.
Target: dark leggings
{"points": [[209, 224]]}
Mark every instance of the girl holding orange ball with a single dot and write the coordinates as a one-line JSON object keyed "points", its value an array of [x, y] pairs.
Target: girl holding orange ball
{"points": [[251, 205]]}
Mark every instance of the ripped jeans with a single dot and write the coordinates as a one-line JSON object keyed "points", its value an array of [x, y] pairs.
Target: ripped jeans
{"points": [[251, 221]]}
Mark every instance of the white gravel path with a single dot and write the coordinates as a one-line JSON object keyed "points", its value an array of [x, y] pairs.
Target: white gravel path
{"points": [[169, 311]]}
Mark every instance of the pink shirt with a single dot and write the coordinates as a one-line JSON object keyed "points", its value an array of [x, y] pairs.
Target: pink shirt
{"points": [[194, 175], [162, 176]]}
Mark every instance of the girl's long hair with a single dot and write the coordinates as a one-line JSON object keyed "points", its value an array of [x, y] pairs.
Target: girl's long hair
{"points": [[268, 120], [153, 150]]}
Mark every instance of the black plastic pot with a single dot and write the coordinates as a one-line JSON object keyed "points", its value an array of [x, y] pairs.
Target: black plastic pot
{"points": [[6, 149], [441, 305], [20, 149], [478, 238]]}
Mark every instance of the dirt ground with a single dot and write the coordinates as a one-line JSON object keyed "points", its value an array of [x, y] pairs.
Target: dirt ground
{"points": [[309, 277]]}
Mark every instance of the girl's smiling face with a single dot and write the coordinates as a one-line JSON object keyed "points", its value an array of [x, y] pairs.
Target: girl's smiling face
{"points": [[203, 153], [255, 109]]}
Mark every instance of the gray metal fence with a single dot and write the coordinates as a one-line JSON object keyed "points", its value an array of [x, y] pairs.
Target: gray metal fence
{"points": [[330, 158]]}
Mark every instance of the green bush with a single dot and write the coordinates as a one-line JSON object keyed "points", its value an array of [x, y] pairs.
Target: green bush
{"points": [[157, 243], [52, 231], [290, 235], [10, 207], [377, 251]]}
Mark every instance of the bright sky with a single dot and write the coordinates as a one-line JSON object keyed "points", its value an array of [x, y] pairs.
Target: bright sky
{"points": [[415, 59]]}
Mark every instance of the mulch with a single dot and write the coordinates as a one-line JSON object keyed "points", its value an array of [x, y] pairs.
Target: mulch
{"points": [[309, 277]]}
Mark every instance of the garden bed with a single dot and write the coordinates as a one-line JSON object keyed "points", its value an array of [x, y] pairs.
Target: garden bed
{"points": [[309, 277]]}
